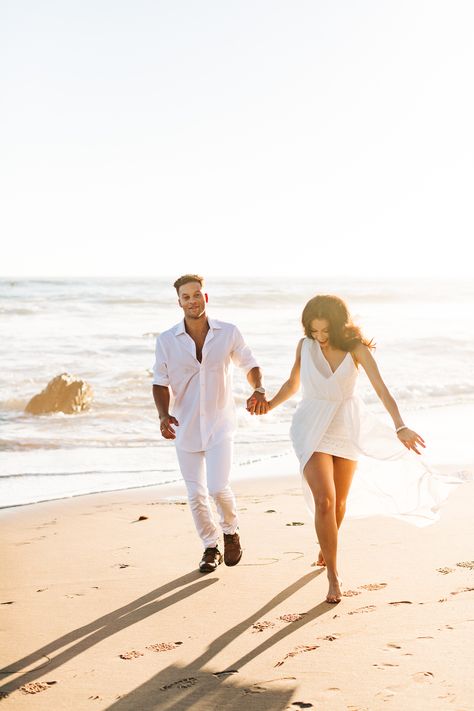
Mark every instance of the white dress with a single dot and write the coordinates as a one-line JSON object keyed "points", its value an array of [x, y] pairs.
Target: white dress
{"points": [[331, 418]]}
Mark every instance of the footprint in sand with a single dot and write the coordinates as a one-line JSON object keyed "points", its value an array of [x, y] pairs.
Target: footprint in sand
{"points": [[163, 646], [366, 608], [461, 590], [350, 593], [423, 677], [466, 564], [298, 650], [133, 654], [373, 586], [263, 625], [267, 624], [255, 690], [35, 687], [292, 616], [392, 645], [385, 664], [180, 684], [226, 672], [445, 571], [401, 602]]}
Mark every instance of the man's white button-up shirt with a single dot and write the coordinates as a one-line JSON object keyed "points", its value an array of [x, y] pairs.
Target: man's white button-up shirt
{"points": [[203, 400]]}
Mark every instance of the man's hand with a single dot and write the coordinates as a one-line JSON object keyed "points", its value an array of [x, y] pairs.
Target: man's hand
{"points": [[257, 404], [166, 429]]}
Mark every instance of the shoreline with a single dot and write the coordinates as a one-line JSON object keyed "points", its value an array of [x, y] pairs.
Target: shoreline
{"points": [[448, 450]]}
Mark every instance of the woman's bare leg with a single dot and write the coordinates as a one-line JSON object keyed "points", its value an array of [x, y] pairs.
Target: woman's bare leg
{"points": [[344, 470], [319, 473]]}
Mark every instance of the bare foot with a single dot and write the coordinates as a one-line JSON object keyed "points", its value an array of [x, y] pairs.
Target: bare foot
{"points": [[334, 593], [321, 562]]}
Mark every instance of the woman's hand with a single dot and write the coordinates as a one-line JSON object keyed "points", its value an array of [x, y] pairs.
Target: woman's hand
{"points": [[411, 439]]}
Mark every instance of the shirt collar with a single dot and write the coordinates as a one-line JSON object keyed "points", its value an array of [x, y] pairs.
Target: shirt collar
{"points": [[179, 329]]}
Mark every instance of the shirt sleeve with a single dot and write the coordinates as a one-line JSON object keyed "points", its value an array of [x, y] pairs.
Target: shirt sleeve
{"points": [[160, 369], [241, 354]]}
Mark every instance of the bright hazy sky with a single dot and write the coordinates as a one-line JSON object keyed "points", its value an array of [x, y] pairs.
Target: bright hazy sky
{"points": [[230, 137]]}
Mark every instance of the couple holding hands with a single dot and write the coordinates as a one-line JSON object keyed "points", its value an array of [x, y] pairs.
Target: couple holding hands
{"points": [[330, 429]]}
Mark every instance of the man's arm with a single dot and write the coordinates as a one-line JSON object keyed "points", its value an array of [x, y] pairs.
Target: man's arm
{"points": [[161, 396], [242, 356]]}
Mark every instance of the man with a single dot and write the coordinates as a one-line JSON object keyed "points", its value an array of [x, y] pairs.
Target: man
{"points": [[194, 360]]}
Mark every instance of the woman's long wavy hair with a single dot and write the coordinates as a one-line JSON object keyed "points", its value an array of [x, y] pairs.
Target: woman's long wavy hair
{"points": [[343, 333]]}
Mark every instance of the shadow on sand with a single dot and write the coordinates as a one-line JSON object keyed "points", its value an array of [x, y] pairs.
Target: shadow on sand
{"points": [[87, 636], [195, 685], [199, 687]]}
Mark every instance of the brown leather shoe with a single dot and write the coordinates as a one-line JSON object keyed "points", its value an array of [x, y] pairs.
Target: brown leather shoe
{"points": [[212, 557], [232, 549]]}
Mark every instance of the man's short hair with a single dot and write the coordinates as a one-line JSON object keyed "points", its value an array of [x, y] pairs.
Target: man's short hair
{"points": [[186, 279]]}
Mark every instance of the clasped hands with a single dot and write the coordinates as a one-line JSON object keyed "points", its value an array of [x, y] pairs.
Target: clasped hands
{"points": [[257, 404]]}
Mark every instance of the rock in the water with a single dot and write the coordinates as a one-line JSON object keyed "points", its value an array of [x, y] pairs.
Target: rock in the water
{"points": [[62, 394]]}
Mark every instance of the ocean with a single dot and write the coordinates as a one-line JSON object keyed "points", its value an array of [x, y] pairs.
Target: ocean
{"points": [[103, 331]]}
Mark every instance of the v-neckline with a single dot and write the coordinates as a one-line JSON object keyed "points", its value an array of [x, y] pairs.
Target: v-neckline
{"points": [[333, 372]]}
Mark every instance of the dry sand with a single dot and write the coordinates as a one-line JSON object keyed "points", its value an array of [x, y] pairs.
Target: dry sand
{"points": [[84, 581]]}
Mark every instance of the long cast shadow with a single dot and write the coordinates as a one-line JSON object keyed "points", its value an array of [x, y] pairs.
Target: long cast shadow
{"points": [[218, 689], [105, 626], [207, 693]]}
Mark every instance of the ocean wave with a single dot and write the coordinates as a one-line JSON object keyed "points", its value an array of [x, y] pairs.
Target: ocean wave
{"points": [[428, 394], [19, 310], [87, 472], [113, 442], [79, 294], [14, 404], [60, 443]]}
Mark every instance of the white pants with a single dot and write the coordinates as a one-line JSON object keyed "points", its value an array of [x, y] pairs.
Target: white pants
{"points": [[211, 479]]}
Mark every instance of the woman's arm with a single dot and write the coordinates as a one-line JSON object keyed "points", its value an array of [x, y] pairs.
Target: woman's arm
{"points": [[409, 437], [290, 387]]}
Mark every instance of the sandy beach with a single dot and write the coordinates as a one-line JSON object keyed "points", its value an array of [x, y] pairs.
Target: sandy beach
{"points": [[103, 608]]}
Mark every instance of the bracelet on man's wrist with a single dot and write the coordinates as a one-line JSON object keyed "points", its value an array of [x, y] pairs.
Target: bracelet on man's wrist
{"points": [[402, 427]]}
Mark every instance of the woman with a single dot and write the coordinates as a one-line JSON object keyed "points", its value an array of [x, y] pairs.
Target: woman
{"points": [[330, 427]]}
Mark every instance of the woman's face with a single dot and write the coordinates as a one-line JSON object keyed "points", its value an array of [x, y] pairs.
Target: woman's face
{"points": [[320, 331]]}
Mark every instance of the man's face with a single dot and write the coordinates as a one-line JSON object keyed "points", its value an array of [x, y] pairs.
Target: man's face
{"points": [[192, 300]]}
